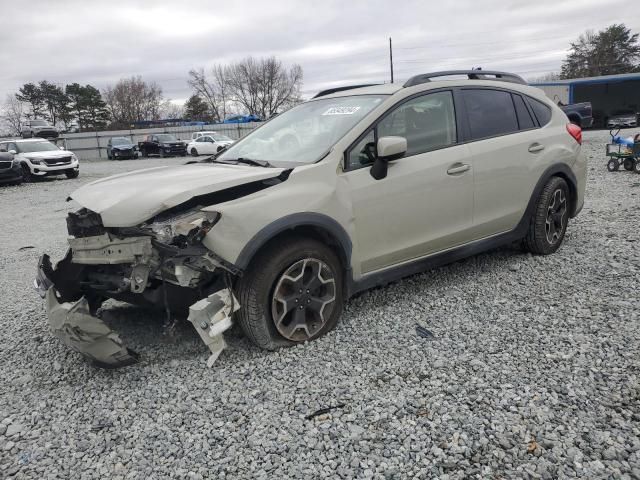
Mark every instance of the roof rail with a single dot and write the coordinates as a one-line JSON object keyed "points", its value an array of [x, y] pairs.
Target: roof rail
{"points": [[471, 74], [329, 91]]}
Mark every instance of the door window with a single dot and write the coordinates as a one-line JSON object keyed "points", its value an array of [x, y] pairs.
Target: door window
{"points": [[428, 122], [358, 156], [490, 113]]}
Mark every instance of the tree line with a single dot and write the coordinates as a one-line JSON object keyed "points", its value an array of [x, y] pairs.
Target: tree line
{"points": [[261, 87], [611, 51]]}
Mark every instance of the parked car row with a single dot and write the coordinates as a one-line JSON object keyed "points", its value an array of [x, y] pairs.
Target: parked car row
{"points": [[25, 160], [167, 145]]}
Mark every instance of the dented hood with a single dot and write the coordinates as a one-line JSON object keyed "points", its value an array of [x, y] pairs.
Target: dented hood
{"points": [[128, 199]]}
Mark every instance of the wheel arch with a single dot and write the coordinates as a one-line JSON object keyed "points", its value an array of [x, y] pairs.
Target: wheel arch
{"points": [[563, 171], [310, 224]]}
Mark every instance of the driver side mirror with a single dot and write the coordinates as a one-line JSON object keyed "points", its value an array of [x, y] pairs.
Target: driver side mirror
{"points": [[388, 148], [12, 152]]}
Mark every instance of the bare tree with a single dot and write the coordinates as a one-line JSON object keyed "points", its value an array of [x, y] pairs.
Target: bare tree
{"points": [[133, 99], [261, 87], [265, 86], [212, 89], [547, 77], [168, 109], [13, 114]]}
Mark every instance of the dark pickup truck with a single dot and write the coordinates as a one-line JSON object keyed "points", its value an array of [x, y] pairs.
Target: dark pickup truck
{"points": [[162, 144], [578, 113]]}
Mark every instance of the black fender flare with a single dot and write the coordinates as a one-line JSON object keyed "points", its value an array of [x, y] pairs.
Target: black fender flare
{"points": [[290, 222], [556, 170]]}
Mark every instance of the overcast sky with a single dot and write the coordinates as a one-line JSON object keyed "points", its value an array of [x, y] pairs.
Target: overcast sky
{"points": [[335, 42]]}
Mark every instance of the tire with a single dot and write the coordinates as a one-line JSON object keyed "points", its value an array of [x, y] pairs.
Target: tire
{"points": [[549, 221], [613, 165], [72, 173], [629, 163], [194, 152], [265, 279], [27, 177], [636, 166], [162, 154]]}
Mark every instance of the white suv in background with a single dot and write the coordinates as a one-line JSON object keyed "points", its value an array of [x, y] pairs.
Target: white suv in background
{"points": [[41, 158], [354, 188]]}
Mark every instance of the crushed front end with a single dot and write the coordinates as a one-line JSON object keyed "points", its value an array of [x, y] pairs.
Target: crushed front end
{"points": [[160, 263]]}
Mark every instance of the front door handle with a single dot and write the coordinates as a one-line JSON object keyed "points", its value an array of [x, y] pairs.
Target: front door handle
{"points": [[536, 147], [458, 168]]}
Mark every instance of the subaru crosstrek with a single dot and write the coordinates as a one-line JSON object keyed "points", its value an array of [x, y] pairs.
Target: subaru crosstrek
{"points": [[351, 189]]}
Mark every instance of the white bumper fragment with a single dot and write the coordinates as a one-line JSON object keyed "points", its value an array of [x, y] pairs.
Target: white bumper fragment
{"points": [[211, 317]]}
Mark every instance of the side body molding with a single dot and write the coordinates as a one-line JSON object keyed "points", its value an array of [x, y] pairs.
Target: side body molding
{"points": [[290, 222]]}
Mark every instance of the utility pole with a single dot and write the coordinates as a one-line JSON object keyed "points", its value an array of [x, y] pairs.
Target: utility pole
{"points": [[391, 58]]}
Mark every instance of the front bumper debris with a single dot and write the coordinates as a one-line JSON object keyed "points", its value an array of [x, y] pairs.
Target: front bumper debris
{"points": [[86, 334], [210, 317]]}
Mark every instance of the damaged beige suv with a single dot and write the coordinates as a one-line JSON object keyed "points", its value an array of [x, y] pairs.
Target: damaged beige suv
{"points": [[354, 188]]}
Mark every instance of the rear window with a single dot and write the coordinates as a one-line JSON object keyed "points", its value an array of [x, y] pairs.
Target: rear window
{"points": [[524, 117], [490, 113], [541, 111]]}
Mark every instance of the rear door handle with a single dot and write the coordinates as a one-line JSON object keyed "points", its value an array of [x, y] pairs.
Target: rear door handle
{"points": [[458, 168], [536, 147]]}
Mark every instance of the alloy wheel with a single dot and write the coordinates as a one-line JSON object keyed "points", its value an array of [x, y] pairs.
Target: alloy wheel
{"points": [[303, 299], [556, 217]]}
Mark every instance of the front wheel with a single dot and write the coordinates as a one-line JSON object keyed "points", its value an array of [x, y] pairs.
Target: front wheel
{"points": [[194, 152], [549, 220], [72, 173], [613, 165], [291, 293], [27, 176]]}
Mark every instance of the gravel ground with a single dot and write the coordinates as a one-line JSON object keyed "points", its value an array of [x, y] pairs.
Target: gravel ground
{"points": [[532, 371]]}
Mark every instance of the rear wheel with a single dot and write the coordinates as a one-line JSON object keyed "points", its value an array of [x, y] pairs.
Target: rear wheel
{"points": [[613, 165], [636, 166], [292, 293], [549, 220], [629, 163]]}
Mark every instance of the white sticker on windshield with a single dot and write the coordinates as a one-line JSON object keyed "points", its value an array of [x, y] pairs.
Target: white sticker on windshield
{"points": [[341, 111]]}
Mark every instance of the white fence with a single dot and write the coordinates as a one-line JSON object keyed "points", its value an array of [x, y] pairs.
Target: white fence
{"points": [[92, 145]]}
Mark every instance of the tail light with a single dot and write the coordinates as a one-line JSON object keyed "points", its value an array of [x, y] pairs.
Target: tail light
{"points": [[575, 131]]}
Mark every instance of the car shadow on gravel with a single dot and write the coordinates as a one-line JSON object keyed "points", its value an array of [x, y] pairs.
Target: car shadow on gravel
{"points": [[147, 331]]}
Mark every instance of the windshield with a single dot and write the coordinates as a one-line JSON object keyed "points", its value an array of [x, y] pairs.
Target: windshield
{"points": [[163, 137], [43, 146], [305, 133], [120, 141], [39, 123], [218, 137]]}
